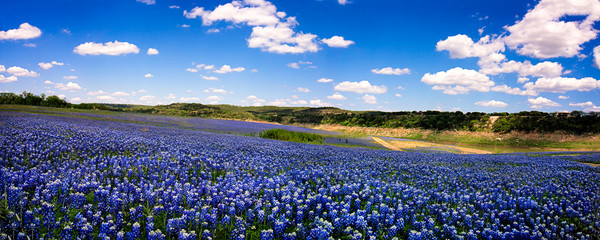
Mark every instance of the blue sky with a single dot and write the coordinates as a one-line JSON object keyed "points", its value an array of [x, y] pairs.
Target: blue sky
{"points": [[489, 56]]}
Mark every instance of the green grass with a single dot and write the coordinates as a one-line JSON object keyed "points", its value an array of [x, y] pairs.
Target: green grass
{"points": [[285, 135]]}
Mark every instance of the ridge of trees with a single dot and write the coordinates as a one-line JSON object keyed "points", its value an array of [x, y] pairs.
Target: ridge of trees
{"points": [[575, 122]]}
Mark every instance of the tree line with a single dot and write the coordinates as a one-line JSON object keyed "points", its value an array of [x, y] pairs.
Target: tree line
{"points": [[576, 122]]}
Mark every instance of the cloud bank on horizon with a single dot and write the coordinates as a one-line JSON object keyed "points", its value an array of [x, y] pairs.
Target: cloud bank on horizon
{"points": [[347, 54]]}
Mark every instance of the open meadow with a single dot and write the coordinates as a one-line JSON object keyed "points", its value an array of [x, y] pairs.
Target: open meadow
{"points": [[66, 177]]}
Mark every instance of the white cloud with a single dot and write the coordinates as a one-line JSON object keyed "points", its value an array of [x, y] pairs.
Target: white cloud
{"points": [[541, 102], [216, 90], [152, 51], [105, 98], [319, 103], [185, 25], [597, 56], [336, 96], [76, 99], [191, 70], [514, 91], [174, 7], [147, 98], [492, 103], [121, 94], [214, 99], [148, 75], [94, 93], [359, 87], [325, 80], [25, 31], [462, 46], [110, 48], [210, 78], [147, 2], [49, 65], [543, 69], [337, 42], [272, 31], [70, 77], [304, 90], [369, 99], [458, 81], [542, 34], [189, 99], [342, 2], [398, 95], [21, 72], [228, 69], [562, 84], [4, 79], [170, 96], [563, 97], [253, 100], [583, 104], [70, 86], [2, 68], [522, 80], [293, 65], [31, 45], [391, 71]]}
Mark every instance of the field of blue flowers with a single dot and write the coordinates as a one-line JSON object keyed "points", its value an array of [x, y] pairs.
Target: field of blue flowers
{"points": [[73, 178]]}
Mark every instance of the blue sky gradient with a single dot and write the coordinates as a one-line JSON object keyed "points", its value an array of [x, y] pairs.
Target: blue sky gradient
{"points": [[429, 54]]}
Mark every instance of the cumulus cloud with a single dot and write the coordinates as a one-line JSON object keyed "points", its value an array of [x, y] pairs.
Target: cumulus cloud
{"points": [[4, 79], [543, 69], [319, 103], [359, 87], [337, 42], [543, 34], [25, 31], [214, 99], [147, 2], [174, 7], [337, 96], [541, 102], [583, 104], [189, 99], [95, 93], [293, 65], [563, 97], [391, 71], [147, 98], [216, 90], [21, 72], [110, 48], [562, 84], [458, 81], [492, 103], [325, 80], [152, 51], [228, 69], [49, 65], [272, 31], [148, 75], [121, 94], [296, 65], [105, 98], [342, 2], [253, 100], [514, 91], [70, 77], [210, 78], [191, 70], [304, 90], [369, 99], [70, 86], [462, 46]]}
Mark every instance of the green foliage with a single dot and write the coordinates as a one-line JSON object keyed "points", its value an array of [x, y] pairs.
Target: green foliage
{"points": [[285, 135], [26, 98]]}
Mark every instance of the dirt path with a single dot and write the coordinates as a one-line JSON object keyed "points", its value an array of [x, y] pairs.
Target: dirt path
{"points": [[402, 145], [386, 144], [592, 164]]}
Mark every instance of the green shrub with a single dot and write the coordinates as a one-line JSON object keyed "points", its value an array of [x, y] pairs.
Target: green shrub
{"points": [[285, 135]]}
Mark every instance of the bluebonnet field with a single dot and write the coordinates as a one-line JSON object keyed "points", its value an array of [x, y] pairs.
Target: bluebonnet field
{"points": [[66, 178]]}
